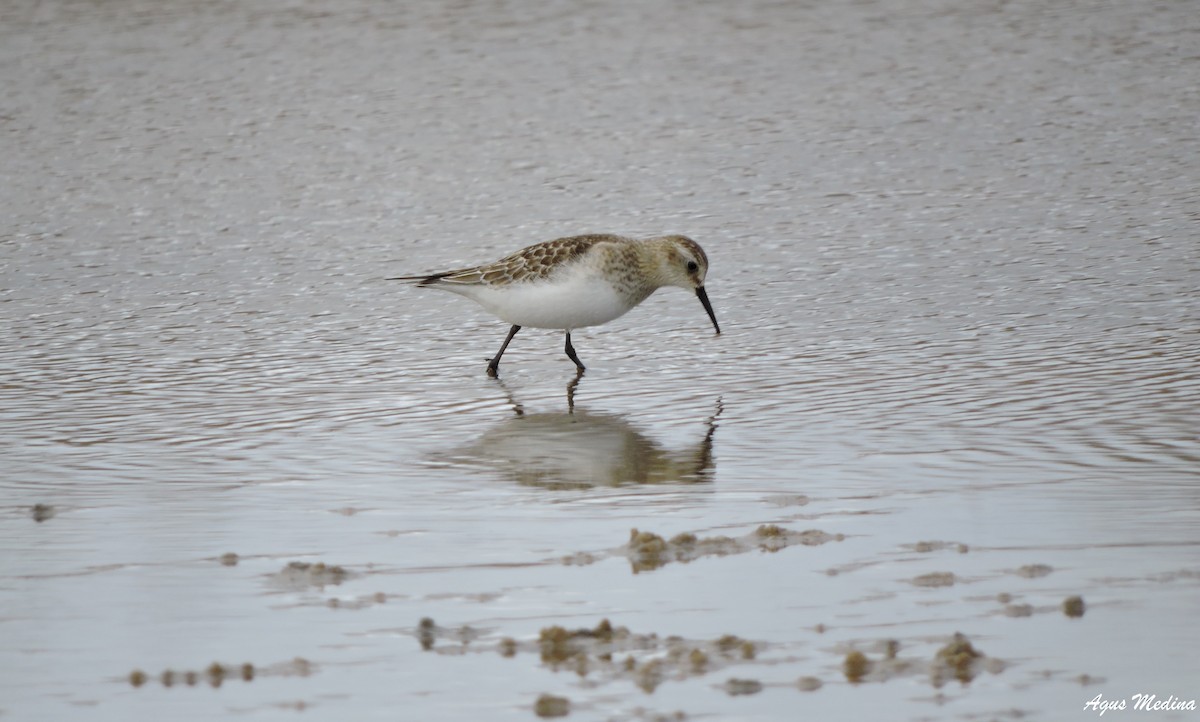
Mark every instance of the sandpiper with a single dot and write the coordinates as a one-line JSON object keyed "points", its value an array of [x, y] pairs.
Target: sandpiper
{"points": [[573, 282]]}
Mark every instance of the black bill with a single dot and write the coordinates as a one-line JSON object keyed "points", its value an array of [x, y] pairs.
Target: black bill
{"points": [[708, 307]]}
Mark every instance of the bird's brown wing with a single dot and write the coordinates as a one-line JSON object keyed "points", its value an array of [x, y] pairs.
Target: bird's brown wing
{"points": [[529, 264]]}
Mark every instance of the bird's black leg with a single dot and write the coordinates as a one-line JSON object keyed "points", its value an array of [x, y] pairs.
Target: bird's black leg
{"points": [[494, 362], [571, 353]]}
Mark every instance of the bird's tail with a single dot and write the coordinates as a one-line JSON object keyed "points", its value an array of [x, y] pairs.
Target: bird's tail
{"points": [[426, 280]]}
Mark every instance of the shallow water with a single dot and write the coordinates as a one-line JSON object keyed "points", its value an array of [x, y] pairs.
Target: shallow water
{"points": [[954, 261]]}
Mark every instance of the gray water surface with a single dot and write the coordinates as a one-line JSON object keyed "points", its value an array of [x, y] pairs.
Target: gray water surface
{"points": [[954, 257]]}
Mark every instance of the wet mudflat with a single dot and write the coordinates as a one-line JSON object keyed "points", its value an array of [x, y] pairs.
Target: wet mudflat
{"points": [[954, 260]]}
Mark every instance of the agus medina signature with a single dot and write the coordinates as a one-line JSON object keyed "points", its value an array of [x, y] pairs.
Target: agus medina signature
{"points": [[1141, 702]]}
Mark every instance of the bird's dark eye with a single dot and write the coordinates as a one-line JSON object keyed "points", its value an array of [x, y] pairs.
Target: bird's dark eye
{"points": [[693, 266]]}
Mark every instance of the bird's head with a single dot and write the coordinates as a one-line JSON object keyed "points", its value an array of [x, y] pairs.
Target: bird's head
{"points": [[685, 264]]}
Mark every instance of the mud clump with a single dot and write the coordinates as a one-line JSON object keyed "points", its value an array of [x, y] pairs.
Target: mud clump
{"points": [[604, 631], [426, 633], [298, 667], [925, 547], [42, 512], [556, 645], [935, 579], [772, 538], [649, 675], [735, 687], [787, 500], [360, 602], [559, 645], [808, 684], [608, 652], [684, 539], [508, 647], [547, 705], [855, 666], [958, 659], [301, 575], [1074, 607], [228, 559], [731, 644], [611, 652], [579, 559], [216, 673], [1033, 571], [648, 551]]}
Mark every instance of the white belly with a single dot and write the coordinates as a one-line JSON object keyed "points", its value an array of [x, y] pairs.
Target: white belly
{"points": [[578, 303]]}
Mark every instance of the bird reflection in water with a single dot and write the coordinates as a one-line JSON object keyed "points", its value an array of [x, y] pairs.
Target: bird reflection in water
{"points": [[579, 449]]}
